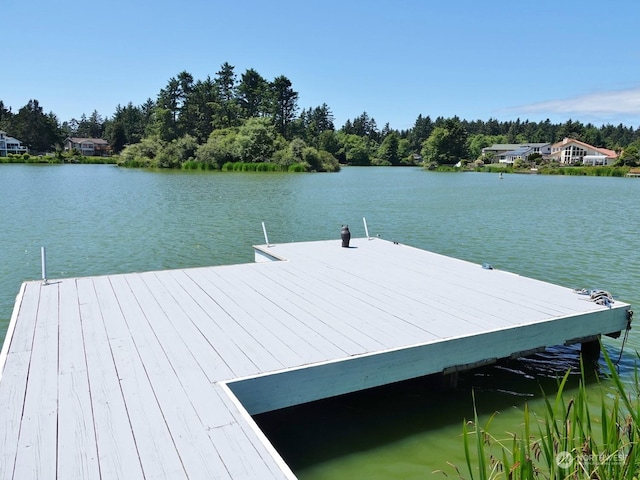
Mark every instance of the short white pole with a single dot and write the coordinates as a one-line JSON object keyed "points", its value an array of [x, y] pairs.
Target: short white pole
{"points": [[366, 230], [43, 255], [264, 230]]}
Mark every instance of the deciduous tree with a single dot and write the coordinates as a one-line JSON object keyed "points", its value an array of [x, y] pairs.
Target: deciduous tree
{"points": [[447, 144]]}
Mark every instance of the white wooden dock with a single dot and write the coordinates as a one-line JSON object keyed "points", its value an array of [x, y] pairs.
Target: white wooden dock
{"points": [[154, 375]]}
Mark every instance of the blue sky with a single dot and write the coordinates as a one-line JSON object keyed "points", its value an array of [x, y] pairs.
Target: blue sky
{"points": [[503, 59]]}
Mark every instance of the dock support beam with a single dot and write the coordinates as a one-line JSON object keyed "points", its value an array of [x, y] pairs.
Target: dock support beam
{"points": [[590, 350], [450, 381]]}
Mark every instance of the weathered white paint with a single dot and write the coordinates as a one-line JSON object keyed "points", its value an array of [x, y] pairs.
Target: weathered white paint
{"points": [[130, 376]]}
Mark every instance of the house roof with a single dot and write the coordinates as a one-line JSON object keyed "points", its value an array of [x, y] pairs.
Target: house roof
{"points": [[97, 141], [519, 151], [509, 147], [7, 138], [542, 144], [503, 146]]}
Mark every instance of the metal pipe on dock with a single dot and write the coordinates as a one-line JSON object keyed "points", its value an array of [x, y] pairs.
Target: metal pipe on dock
{"points": [[43, 257]]}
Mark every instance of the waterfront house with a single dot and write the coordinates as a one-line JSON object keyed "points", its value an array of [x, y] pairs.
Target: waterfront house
{"points": [[509, 152], [10, 145], [498, 149], [89, 147], [570, 151]]}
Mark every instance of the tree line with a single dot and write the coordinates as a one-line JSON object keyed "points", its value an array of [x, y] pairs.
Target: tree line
{"points": [[247, 118]]}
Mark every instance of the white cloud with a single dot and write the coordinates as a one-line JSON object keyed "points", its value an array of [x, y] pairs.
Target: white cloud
{"points": [[619, 103]]}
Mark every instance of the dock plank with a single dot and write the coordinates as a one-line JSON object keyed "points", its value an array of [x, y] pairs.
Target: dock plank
{"points": [[77, 448], [328, 310], [37, 446], [240, 306], [12, 396], [158, 455], [301, 341], [117, 451], [16, 356], [171, 300], [209, 320], [234, 444], [199, 456], [212, 299], [258, 441], [190, 369], [309, 331], [302, 307], [436, 270], [425, 300]]}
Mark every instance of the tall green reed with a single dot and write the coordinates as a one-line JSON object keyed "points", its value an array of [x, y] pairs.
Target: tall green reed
{"points": [[568, 440]]}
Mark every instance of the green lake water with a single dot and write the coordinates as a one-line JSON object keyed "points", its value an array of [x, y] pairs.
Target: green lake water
{"points": [[575, 231]]}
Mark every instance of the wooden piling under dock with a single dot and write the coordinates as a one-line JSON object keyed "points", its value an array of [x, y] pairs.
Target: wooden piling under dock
{"points": [[157, 374]]}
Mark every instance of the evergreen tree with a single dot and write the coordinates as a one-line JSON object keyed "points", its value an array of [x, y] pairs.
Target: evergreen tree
{"points": [[39, 131], [285, 104], [420, 132], [365, 126], [253, 94], [226, 112], [200, 108], [5, 118], [169, 106]]}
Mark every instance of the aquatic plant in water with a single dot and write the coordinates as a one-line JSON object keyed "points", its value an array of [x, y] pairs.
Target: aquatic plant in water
{"points": [[569, 441]]}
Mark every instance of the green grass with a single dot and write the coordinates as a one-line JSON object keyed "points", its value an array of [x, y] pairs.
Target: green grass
{"points": [[194, 165], [56, 159], [598, 171], [26, 158], [494, 168], [568, 441], [259, 167]]}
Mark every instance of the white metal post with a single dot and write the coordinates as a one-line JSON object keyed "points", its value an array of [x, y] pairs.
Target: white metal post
{"points": [[264, 230], [43, 255], [366, 230]]}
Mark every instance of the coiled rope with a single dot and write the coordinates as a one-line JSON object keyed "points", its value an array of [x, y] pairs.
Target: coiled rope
{"points": [[602, 297]]}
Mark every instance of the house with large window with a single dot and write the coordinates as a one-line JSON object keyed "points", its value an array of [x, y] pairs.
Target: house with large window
{"points": [[570, 151], [10, 145], [89, 147]]}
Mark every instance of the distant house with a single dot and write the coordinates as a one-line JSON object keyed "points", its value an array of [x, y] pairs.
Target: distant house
{"points": [[520, 153], [10, 145], [509, 152], [570, 151], [498, 149], [89, 147]]}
